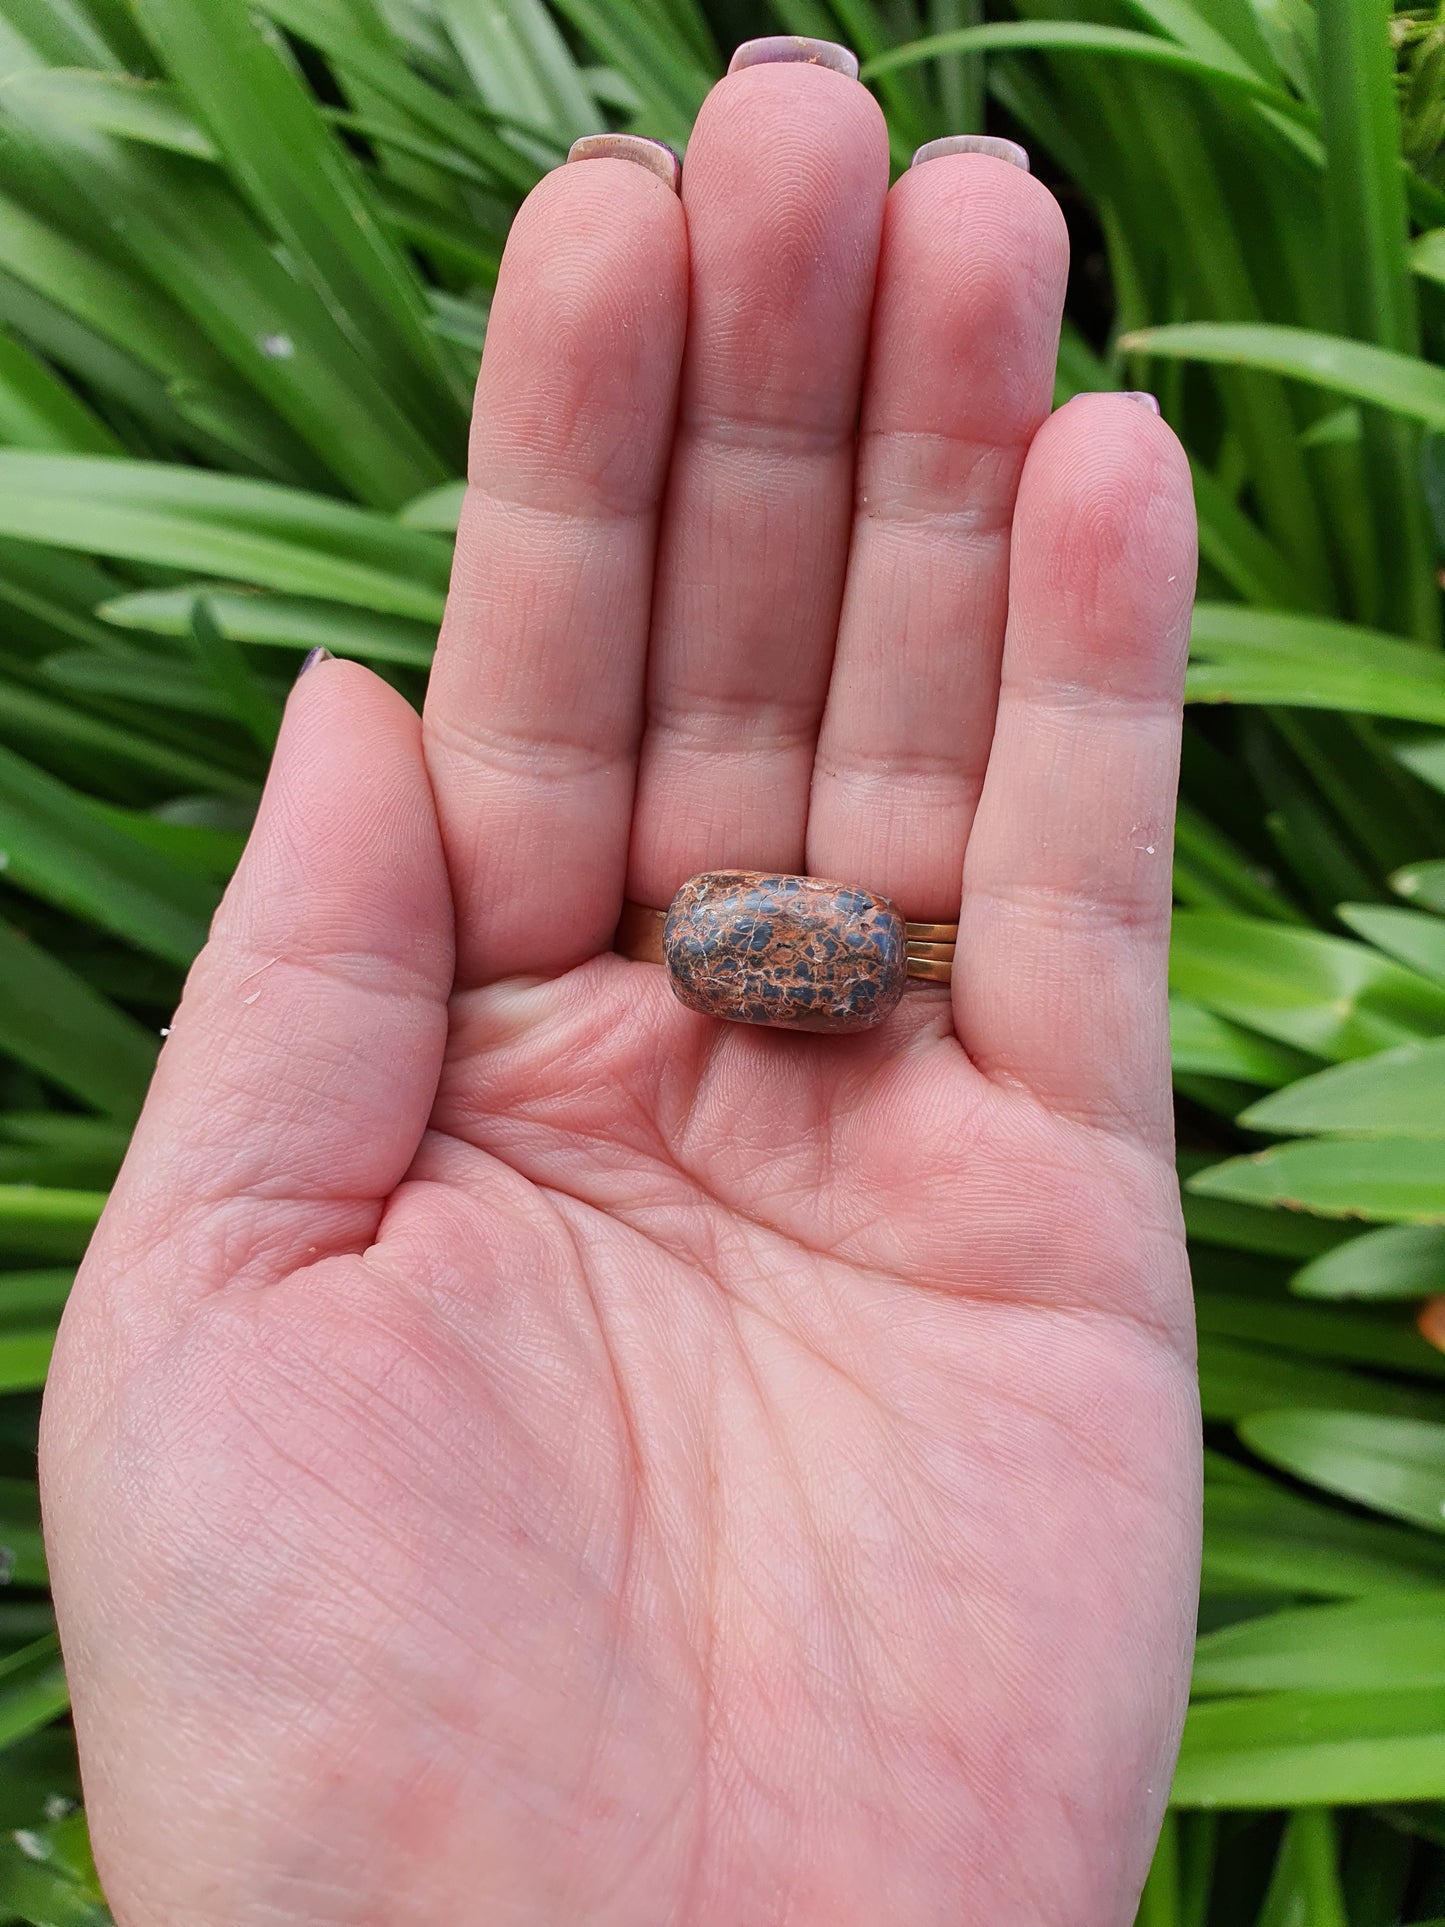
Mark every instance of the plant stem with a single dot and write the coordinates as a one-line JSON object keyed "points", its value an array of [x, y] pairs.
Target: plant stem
{"points": [[960, 76], [1369, 226]]}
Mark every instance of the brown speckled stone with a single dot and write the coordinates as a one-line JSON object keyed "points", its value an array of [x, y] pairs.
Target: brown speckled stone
{"points": [[794, 953]]}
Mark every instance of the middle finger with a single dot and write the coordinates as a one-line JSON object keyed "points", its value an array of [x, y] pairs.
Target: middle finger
{"points": [[784, 186]]}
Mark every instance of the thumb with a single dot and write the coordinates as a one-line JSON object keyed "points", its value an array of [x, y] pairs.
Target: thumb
{"points": [[301, 1066]]}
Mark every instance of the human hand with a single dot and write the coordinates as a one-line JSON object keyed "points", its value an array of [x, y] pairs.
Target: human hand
{"points": [[519, 1451]]}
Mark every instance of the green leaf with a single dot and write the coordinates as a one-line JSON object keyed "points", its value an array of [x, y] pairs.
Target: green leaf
{"points": [[1232, 543], [47, 1875], [1393, 1465], [1367, 226], [53, 1020], [671, 77], [1397, 1093], [22, 1551], [1329, 1748], [36, 1222], [521, 66], [1260, 1538], [57, 848], [439, 509], [1400, 1261], [278, 622], [125, 336], [1073, 36], [305, 185], [1383, 1342], [184, 228], [1381, 1642], [29, 717], [38, 410], [253, 532], [1210, 1046], [40, 1772], [156, 682], [1212, 873], [24, 1355], [240, 692], [1238, 1379], [1245, 1227], [1390, 1180], [1322, 994], [210, 848], [1305, 1885], [1265, 656], [143, 110], [1427, 255], [1401, 383], [32, 1689], [329, 29], [1415, 939], [1422, 883], [32, 1299]]}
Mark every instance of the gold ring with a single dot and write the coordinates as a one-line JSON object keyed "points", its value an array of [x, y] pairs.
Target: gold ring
{"points": [[789, 952]]}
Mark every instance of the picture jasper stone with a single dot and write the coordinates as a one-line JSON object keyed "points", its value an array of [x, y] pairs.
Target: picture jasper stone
{"points": [[792, 952]]}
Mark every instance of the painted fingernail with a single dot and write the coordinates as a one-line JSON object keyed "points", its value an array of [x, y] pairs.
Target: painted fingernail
{"points": [[1143, 397], [991, 144], [311, 658], [794, 46], [656, 156]]}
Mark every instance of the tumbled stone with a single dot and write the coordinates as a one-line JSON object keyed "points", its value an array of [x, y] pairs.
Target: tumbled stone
{"points": [[795, 953]]}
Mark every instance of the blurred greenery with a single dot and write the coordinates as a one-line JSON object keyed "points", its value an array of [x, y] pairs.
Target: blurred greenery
{"points": [[246, 252]]}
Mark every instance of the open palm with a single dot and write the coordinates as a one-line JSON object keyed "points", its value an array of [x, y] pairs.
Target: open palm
{"points": [[519, 1451]]}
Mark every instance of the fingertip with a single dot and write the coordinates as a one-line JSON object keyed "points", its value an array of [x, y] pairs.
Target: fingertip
{"points": [[1105, 535], [370, 703], [973, 275], [794, 108], [1105, 449], [585, 335], [1130, 417], [1000, 195], [591, 234]]}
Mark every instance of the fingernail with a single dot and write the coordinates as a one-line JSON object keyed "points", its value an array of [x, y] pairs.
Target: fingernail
{"points": [[991, 144], [311, 658], [1143, 397], [656, 156], [794, 46]]}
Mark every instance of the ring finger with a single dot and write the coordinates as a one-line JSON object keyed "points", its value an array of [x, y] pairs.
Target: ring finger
{"points": [[961, 369]]}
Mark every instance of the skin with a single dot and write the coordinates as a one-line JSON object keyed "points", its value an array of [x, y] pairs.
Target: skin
{"points": [[521, 1452]]}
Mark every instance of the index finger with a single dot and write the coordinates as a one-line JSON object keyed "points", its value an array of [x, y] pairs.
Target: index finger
{"points": [[535, 706]]}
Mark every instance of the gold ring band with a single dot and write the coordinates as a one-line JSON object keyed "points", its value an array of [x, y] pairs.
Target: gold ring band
{"points": [[930, 946]]}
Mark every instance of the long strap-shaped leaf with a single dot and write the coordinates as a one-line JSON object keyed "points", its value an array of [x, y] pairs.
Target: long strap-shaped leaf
{"points": [[224, 525], [304, 184], [56, 847], [1399, 382]]}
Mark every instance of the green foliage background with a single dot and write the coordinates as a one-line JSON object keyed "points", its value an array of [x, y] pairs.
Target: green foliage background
{"points": [[246, 248]]}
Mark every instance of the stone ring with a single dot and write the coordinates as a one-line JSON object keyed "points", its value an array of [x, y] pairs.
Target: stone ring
{"points": [[794, 953]]}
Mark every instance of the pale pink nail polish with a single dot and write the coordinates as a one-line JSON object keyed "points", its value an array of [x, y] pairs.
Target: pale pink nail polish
{"points": [[794, 47], [656, 156], [1142, 396], [991, 144]]}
